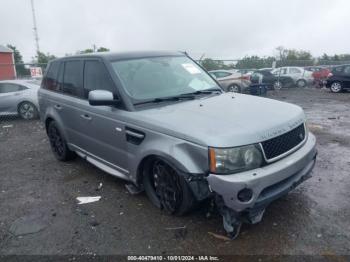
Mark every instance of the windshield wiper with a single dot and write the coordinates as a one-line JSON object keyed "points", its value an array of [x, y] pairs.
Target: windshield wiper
{"points": [[205, 91], [164, 99]]}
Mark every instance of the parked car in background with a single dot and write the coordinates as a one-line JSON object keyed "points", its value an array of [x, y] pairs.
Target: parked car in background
{"points": [[159, 121], [300, 76], [265, 77], [339, 78], [19, 97], [230, 81], [319, 73], [246, 71]]}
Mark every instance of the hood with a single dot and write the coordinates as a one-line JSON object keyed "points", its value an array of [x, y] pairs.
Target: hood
{"points": [[225, 120]]}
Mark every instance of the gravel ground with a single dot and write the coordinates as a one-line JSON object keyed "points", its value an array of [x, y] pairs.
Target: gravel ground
{"points": [[39, 212]]}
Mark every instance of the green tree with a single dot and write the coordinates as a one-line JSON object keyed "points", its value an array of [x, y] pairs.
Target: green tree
{"points": [[90, 50], [86, 51], [210, 64], [20, 68], [102, 49], [254, 62], [43, 59]]}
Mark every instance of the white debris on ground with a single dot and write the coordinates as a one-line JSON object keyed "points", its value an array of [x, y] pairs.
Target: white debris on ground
{"points": [[89, 199]]}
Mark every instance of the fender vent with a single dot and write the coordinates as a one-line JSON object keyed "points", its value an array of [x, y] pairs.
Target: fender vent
{"points": [[134, 136]]}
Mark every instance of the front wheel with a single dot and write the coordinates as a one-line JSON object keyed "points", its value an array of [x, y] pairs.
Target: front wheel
{"points": [[167, 189], [27, 111], [336, 87]]}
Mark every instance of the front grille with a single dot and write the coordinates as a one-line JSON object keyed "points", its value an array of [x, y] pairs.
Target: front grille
{"points": [[283, 143]]}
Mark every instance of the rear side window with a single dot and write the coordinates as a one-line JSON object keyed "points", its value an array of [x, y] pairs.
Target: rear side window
{"points": [[8, 88], [338, 69], [293, 70], [347, 70], [50, 80], [96, 77], [73, 78]]}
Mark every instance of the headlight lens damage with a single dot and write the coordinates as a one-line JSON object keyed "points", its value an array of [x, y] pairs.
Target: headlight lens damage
{"points": [[233, 160]]}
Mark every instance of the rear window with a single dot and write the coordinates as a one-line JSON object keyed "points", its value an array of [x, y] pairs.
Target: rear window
{"points": [[50, 80]]}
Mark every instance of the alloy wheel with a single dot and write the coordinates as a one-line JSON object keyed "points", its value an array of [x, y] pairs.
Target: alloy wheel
{"points": [[56, 140], [27, 110], [336, 87], [167, 186]]}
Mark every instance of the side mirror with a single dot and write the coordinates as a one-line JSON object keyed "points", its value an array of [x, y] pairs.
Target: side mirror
{"points": [[102, 98]]}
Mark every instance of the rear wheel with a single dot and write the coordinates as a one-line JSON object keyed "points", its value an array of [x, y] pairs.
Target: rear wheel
{"points": [[234, 88], [166, 188], [336, 87], [58, 143], [301, 83], [277, 85], [27, 110]]}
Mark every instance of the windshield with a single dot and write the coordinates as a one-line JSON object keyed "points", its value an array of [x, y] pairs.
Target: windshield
{"points": [[157, 77]]}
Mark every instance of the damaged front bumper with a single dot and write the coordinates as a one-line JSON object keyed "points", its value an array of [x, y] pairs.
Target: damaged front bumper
{"points": [[263, 185]]}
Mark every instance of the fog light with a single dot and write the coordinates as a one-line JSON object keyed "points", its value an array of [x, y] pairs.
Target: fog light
{"points": [[245, 195]]}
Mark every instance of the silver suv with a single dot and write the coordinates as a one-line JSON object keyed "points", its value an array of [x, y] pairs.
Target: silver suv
{"points": [[156, 119]]}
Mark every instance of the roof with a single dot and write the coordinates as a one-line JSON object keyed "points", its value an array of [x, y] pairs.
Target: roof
{"points": [[30, 83], [4, 49], [127, 55]]}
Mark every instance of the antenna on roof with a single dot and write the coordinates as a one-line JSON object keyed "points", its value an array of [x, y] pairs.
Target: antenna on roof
{"points": [[36, 37]]}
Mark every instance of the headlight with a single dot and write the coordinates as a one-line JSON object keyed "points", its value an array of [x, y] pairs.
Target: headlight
{"points": [[233, 160]]}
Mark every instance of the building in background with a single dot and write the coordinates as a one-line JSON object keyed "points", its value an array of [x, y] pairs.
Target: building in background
{"points": [[7, 64]]}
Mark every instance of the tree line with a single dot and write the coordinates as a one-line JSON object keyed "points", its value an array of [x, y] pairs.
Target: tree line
{"points": [[283, 57], [41, 59]]}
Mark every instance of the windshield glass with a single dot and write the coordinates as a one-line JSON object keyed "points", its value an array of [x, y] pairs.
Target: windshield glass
{"points": [[157, 77]]}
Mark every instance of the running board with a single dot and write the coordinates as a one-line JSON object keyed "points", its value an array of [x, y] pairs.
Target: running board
{"points": [[103, 166]]}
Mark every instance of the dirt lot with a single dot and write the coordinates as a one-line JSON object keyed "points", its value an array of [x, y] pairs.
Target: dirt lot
{"points": [[39, 212]]}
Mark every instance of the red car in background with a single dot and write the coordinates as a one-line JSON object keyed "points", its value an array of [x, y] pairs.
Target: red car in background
{"points": [[320, 74]]}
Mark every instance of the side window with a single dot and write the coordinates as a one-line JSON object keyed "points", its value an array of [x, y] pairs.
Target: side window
{"points": [[97, 77], [338, 69], [347, 70], [73, 78], [9, 88], [294, 70], [50, 80]]}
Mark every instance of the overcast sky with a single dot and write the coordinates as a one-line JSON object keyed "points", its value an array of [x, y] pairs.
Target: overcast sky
{"points": [[219, 29]]}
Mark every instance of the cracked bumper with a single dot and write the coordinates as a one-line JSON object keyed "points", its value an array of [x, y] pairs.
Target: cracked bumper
{"points": [[269, 182]]}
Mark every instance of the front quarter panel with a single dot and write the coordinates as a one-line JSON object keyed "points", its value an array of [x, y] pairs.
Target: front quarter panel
{"points": [[183, 155]]}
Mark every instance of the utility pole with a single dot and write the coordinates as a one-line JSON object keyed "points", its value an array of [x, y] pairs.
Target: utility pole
{"points": [[36, 37]]}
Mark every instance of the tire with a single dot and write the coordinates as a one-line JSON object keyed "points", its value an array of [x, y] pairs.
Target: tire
{"points": [[336, 87], [58, 143], [28, 111], [277, 85], [234, 88], [301, 83], [166, 189]]}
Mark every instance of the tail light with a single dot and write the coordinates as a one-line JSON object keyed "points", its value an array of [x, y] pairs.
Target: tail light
{"points": [[245, 77]]}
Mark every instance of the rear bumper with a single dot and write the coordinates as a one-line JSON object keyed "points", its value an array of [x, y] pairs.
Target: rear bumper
{"points": [[267, 183]]}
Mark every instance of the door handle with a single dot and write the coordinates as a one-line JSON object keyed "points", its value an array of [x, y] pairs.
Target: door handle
{"points": [[58, 107], [86, 117]]}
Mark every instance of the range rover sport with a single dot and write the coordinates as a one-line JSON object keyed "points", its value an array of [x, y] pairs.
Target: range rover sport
{"points": [[160, 121]]}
